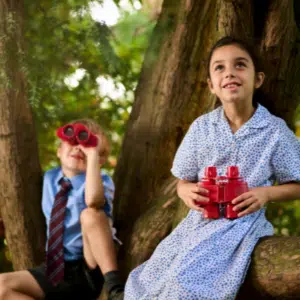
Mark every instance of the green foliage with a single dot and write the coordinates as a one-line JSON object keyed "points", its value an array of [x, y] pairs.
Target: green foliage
{"points": [[5, 264], [285, 217], [62, 38], [131, 1], [297, 114]]}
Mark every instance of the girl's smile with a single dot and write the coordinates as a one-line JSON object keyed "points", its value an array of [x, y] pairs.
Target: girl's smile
{"points": [[233, 85]]}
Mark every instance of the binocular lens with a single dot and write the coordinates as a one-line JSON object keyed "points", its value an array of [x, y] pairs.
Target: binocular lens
{"points": [[83, 135], [69, 131]]}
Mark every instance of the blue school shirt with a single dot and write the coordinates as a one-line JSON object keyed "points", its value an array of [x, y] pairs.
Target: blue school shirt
{"points": [[73, 245], [209, 259]]}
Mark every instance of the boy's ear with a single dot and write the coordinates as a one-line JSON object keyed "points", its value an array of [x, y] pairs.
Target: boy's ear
{"points": [[210, 85], [58, 151], [259, 79], [102, 160]]}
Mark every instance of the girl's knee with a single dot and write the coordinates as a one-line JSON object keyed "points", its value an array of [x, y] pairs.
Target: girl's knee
{"points": [[90, 216]]}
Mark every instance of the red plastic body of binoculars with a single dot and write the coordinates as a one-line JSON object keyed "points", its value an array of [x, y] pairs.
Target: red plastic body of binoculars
{"points": [[222, 190], [76, 134]]}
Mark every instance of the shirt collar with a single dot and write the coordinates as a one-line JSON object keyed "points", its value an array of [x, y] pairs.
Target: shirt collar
{"points": [[76, 181], [260, 118]]}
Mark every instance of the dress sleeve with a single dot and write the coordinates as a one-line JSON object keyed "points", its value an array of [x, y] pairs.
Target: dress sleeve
{"points": [[286, 159], [185, 165], [109, 191]]}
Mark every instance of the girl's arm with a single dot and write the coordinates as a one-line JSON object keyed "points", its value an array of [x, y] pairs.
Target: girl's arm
{"points": [[256, 198], [284, 192]]}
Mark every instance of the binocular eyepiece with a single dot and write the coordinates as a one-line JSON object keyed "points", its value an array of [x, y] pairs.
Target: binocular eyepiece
{"points": [[76, 134]]}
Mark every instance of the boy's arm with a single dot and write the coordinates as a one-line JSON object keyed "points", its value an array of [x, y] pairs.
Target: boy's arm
{"points": [[94, 191]]}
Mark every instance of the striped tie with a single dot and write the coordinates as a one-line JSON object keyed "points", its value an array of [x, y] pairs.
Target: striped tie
{"points": [[55, 253]]}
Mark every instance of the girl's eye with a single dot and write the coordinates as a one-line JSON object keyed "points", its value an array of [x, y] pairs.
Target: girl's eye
{"points": [[240, 65], [218, 67]]}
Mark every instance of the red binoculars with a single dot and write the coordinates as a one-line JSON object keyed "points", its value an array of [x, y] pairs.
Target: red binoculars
{"points": [[76, 134], [222, 190]]}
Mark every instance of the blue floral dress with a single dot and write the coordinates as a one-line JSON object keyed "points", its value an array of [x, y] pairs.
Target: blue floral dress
{"points": [[208, 259]]}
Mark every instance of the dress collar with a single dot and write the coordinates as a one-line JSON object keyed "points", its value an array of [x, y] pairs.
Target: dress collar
{"points": [[260, 118]]}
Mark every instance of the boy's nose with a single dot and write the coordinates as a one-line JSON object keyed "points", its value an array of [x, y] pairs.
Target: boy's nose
{"points": [[76, 147]]}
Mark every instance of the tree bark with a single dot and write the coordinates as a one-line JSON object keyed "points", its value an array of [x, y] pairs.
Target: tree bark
{"points": [[20, 177], [274, 272], [172, 92]]}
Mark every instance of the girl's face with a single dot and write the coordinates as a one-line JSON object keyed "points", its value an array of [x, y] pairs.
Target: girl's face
{"points": [[232, 75]]}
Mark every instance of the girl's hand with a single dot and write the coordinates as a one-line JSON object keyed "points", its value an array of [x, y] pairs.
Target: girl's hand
{"points": [[190, 192], [251, 201]]}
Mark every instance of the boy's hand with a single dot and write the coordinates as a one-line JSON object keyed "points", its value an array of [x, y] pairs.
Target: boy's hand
{"points": [[88, 151], [190, 192], [251, 201], [91, 151]]}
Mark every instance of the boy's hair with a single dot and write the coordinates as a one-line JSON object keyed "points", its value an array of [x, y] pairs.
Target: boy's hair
{"points": [[96, 129]]}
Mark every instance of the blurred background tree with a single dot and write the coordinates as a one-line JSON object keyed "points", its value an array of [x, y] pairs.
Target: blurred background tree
{"points": [[79, 66], [81, 63]]}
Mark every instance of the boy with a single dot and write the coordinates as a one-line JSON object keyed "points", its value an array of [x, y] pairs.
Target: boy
{"points": [[77, 204]]}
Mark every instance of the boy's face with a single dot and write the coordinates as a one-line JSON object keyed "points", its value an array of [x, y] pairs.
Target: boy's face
{"points": [[72, 159]]}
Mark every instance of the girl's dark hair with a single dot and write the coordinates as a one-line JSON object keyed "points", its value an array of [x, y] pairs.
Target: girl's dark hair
{"points": [[259, 96]]}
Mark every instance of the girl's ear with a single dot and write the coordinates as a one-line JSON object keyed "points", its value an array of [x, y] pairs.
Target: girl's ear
{"points": [[259, 79], [210, 85]]}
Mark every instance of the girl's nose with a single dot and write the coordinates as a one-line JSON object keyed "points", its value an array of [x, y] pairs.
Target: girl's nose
{"points": [[230, 72], [230, 75]]}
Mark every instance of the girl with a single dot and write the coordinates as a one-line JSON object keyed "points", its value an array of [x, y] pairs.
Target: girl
{"points": [[204, 258]]}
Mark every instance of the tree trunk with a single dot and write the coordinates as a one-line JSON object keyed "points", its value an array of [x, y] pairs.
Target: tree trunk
{"points": [[20, 177], [274, 272], [172, 92]]}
